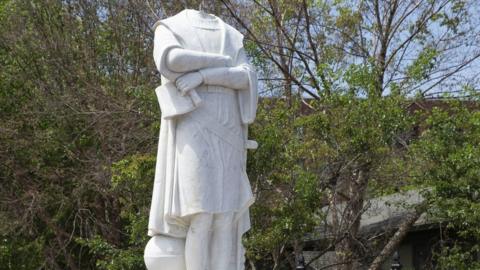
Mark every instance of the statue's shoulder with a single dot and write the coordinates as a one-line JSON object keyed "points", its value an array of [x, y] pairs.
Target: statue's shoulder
{"points": [[172, 21], [233, 33]]}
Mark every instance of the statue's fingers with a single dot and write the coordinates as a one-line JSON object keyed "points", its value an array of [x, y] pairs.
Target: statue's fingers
{"points": [[180, 84], [184, 86], [187, 88], [180, 89]]}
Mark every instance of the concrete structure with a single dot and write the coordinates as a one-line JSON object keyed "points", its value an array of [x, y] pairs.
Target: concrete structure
{"points": [[383, 215]]}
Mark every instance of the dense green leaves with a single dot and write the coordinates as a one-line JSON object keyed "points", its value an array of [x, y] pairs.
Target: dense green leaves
{"points": [[449, 152], [76, 95]]}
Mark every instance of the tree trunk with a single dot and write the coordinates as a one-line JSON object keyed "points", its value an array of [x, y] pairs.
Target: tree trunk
{"points": [[347, 250], [395, 240]]}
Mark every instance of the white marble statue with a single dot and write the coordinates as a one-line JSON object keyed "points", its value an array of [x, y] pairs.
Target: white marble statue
{"points": [[201, 192]]}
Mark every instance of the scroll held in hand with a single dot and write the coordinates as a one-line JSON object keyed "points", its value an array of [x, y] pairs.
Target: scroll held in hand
{"points": [[173, 103]]}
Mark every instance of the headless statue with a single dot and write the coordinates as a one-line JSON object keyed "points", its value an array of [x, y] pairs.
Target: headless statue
{"points": [[201, 190]]}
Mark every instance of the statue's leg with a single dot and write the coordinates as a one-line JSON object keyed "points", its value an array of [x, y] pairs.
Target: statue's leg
{"points": [[222, 240], [197, 242]]}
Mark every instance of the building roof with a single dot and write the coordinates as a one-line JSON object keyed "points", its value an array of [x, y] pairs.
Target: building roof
{"points": [[380, 214]]}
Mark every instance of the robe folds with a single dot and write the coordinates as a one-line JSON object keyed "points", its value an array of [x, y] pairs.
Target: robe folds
{"points": [[201, 158]]}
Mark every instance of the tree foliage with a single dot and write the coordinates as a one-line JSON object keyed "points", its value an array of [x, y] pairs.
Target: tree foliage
{"points": [[449, 154]]}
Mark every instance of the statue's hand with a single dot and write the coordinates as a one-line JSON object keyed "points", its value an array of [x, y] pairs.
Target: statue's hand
{"points": [[189, 81]]}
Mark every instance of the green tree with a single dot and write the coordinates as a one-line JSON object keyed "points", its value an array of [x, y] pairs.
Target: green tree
{"points": [[76, 96], [361, 62], [449, 152]]}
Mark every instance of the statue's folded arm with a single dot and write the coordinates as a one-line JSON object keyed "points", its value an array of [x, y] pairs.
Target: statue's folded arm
{"points": [[172, 60]]}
